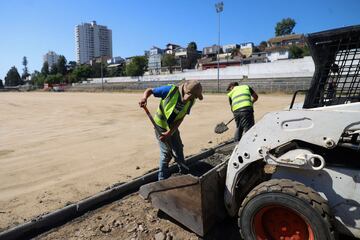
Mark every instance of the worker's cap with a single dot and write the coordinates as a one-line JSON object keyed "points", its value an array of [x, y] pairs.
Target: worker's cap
{"points": [[231, 85], [193, 88]]}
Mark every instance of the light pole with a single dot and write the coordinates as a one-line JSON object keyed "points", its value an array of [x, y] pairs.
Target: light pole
{"points": [[219, 8]]}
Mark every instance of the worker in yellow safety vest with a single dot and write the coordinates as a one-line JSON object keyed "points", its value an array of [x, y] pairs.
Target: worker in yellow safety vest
{"points": [[175, 104], [241, 100]]}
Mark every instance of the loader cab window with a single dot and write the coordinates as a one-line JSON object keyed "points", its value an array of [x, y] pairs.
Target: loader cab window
{"points": [[342, 85], [336, 55]]}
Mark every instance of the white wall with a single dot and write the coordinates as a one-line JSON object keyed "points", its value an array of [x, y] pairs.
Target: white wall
{"points": [[274, 56], [303, 67]]}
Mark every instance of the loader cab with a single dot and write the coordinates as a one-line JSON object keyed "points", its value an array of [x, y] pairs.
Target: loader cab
{"points": [[336, 54]]}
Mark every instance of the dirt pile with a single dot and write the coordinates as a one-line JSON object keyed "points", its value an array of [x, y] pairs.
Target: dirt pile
{"points": [[129, 218]]}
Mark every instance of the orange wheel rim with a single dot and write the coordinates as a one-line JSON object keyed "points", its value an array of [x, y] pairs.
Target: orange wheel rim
{"points": [[281, 223]]}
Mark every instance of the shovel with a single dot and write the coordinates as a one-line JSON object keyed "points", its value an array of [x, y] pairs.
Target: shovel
{"points": [[167, 144], [222, 127]]}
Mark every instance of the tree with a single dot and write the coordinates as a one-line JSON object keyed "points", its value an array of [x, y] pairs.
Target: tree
{"points": [[25, 73], [192, 54], [256, 49], [54, 69], [71, 66], [285, 26], [262, 46], [96, 70], [169, 61], [235, 52], [61, 65], [298, 52], [54, 79], [192, 46], [80, 73], [13, 77], [38, 79], [137, 66], [295, 52], [117, 71], [306, 51], [45, 68], [1, 84]]}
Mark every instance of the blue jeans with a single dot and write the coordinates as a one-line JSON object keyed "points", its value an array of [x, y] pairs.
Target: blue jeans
{"points": [[175, 143]]}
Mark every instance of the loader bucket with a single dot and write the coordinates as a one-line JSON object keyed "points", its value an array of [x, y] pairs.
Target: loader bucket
{"points": [[194, 201]]}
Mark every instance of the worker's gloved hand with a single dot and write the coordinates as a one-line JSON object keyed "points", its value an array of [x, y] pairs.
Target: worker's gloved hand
{"points": [[143, 102], [164, 136]]}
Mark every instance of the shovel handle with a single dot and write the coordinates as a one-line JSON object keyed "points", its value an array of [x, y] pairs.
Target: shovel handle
{"points": [[230, 121], [151, 119], [159, 133]]}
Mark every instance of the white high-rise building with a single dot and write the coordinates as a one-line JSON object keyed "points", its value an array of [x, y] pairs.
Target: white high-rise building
{"points": [[51, 57], [92, 41]]}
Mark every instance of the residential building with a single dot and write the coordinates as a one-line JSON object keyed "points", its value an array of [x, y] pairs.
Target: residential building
{"points": [[278, 47], [115, 60], [51, 58], [225, 60], [92, 41], [181, 56], [170, 48], [228, 48], [154, 62], [186, 58], [146, 53], [287, 40], [277, 53], [258, 57], [212, 50], [244, 54], [246, 49]]}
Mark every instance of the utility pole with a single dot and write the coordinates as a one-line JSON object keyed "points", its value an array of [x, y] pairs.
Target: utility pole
{"points": [[219, 8]]}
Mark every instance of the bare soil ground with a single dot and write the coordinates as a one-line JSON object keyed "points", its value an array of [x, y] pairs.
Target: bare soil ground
{"points": [[134, 218], [57, 148]]}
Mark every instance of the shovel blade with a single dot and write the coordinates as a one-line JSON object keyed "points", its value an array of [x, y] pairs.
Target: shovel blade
{"points": [[220, 128]]}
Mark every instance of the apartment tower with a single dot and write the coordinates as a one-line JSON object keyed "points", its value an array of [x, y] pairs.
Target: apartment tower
{"points": [[92, 41], [51, 58]]}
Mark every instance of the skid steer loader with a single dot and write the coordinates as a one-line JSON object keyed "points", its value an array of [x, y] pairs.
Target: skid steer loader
{"points": [[295, 173]]}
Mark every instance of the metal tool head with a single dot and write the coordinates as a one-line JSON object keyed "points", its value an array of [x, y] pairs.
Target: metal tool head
{"points": [[220, 128]]}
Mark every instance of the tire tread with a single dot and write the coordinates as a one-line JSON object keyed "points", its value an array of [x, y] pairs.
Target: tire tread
{"points": [[296, 189]]}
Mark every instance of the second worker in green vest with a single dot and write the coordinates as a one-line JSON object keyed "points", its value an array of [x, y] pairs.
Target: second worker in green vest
{"points": [[241, 100], [175, 103]]}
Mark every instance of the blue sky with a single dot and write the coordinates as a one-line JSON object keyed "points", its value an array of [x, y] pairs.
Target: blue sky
{"points": [[33, 27]]}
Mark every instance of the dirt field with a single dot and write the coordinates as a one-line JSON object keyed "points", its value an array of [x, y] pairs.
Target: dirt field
{"points": [[57, 148]]}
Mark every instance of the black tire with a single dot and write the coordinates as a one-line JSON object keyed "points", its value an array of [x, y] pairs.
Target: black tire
{"points": [[294, 197]]}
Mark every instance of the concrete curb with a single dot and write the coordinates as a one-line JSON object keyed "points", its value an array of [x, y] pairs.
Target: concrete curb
{"points": [[57, 218]]}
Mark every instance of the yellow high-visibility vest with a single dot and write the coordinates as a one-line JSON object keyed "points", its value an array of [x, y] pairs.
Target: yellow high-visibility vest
{"points": [[240, 97], [167, 107]]}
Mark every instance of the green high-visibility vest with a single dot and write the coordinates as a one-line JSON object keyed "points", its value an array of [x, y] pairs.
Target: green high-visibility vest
{"points": [[167, 107], [240, 97]]}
